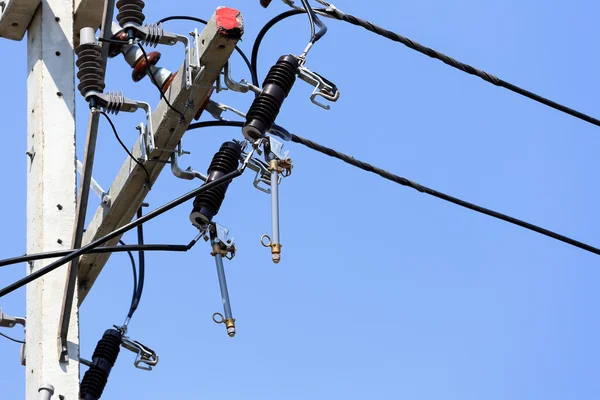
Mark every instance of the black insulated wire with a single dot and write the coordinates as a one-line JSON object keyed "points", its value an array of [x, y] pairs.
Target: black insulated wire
{"points": [[103, 360], [142, 267], [12, 339], [135, 279], [486, 76], [408, 183], [314, 21], [90, 247], [100, 250]]}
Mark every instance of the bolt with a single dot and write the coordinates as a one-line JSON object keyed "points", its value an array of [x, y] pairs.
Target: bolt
{"points": [[59, 241], [59, 206], [2, 4]]}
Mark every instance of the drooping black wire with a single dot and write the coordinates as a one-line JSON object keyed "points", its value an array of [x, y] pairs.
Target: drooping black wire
{"points": [[428, 52], [138, 162], [98, 250], [202, 21], [261, 36], [12, 339], [408, 183], [135, 279], [153, 79], [135, 302], [90, 247]]}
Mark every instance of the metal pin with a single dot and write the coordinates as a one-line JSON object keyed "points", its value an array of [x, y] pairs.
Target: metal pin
{"points": [[228, 319], [275, 240]]}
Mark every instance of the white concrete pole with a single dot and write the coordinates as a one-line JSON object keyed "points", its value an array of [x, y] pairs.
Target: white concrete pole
{"points": [[51, 180]]}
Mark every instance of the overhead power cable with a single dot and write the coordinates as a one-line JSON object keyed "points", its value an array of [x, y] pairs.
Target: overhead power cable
{"points": [[408, 183], [116, 133], [12, 339], [120, 231], [108, 249], [336, 14], [135, 278]]}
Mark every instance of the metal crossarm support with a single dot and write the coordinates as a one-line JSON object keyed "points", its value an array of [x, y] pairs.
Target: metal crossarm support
{"points": [[82, 199], [216, 44]]}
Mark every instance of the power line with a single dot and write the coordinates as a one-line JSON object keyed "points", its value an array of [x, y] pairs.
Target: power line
{"points": [[135, 279], [118, 232], [98, 250], [408, 183], [125, 147], [423, 50], [142, 267], [12, 339]]}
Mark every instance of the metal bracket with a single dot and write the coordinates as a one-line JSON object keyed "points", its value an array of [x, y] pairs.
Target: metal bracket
{"points": [[101, 193], [7, 321], [145, 359], [262, 179], [323, 87]]}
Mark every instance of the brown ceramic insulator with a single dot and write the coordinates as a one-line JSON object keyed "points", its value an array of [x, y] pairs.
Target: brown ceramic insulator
{"points": [[203, 106], [114, 49], [141, 68], [168, 82]]}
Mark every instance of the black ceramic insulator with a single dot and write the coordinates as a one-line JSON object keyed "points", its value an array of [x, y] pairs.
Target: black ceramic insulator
{"points": [[130, 11], [266, 106], [207, 204], [103, 359], [90, 71]]}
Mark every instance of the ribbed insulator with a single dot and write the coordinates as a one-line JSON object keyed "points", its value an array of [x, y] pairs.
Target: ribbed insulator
{"points": [[90, 71], [207, 204], [266, 106], [130, 11], [103, 359]]}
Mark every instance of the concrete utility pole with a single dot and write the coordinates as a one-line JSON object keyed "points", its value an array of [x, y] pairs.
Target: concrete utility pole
{"points": [[51, 181]]}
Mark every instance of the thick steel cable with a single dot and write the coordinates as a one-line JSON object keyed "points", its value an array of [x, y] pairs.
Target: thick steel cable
{"points": [[486, 76], [414, 185]]}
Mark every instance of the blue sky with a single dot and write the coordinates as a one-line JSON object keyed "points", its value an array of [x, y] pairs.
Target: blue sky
{"points": [[382, 291]]}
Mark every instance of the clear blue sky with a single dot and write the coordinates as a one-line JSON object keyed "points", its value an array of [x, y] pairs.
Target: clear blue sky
{"points": [[382, 291]]}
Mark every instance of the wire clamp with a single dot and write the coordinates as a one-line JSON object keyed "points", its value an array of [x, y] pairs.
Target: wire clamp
{"points": [[145, 359], [323, 87]]}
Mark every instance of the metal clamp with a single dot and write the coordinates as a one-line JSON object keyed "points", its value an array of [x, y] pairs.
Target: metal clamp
{"points": [[145, 359], [115, 102], [323, 87]]}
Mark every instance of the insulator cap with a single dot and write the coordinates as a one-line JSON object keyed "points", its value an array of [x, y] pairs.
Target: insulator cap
{"points": [[266, 106], [207, 204]]}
